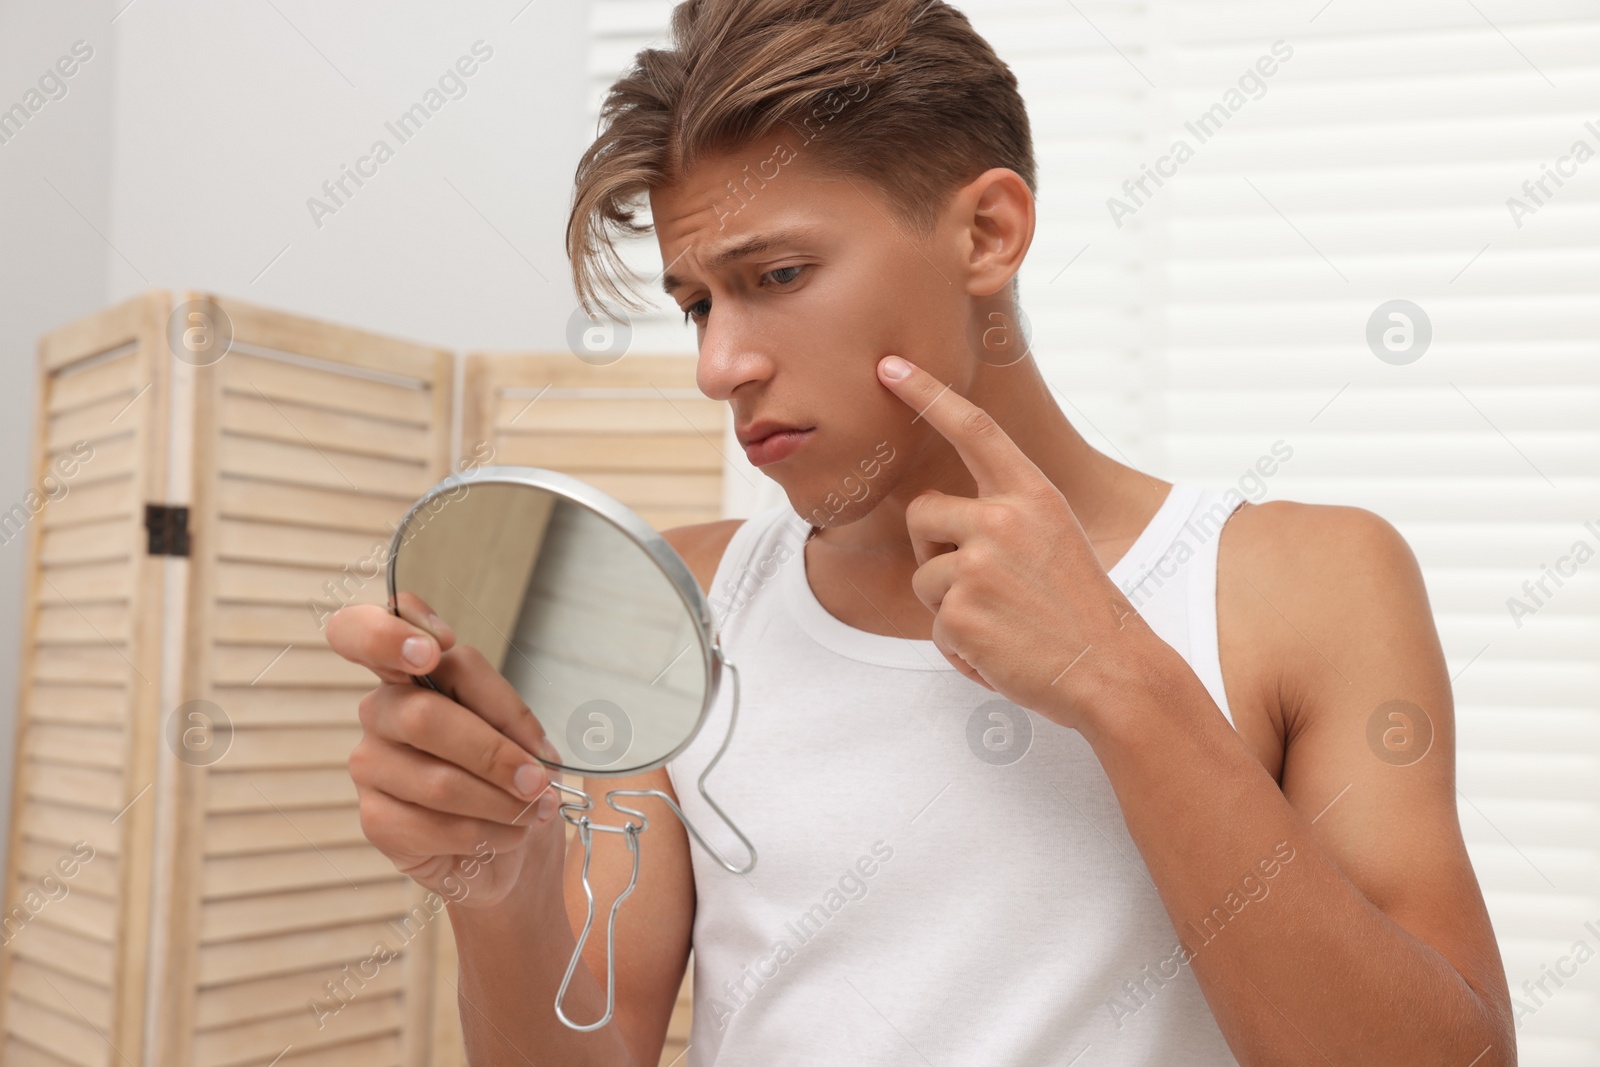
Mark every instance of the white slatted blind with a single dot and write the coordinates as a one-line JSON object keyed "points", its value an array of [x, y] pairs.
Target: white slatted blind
{"points": [[620, 29], [1376, 167], [1229, 312]]}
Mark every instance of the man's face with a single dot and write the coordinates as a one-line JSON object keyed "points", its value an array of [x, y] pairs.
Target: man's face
{"points": [[793, 332]]}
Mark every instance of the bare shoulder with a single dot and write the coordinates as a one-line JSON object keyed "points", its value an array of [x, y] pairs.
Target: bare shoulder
{"points": [[1292, 534], [1332, 562], [1335, 578], [1311, 597], [701, 545]]}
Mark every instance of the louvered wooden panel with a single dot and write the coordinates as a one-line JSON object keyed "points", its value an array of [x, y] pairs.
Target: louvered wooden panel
{"points": [[72, 973], [639, 429], [309, 440]]}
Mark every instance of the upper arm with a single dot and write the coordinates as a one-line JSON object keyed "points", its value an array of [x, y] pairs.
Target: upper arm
{"points": [[655, 924], [1369, 722]]}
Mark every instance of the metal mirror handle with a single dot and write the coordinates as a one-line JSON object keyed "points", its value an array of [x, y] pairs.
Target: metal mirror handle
{"points": [[576, 814]]}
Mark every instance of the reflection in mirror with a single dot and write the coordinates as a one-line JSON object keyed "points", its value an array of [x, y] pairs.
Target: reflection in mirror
{"points": [[576, 614]]}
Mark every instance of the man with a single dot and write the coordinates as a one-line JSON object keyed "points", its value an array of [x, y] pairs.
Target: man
{"points": [[1202, 851]]}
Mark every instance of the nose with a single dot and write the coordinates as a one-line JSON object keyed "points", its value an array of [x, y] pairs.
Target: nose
{"points": [[731, 354]]}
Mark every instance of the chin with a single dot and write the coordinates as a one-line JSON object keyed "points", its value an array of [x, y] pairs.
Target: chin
{"points": [[837, 494], [833, 508]]}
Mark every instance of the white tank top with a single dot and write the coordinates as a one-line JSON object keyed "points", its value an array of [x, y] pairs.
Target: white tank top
{"points": [[943, 877]]}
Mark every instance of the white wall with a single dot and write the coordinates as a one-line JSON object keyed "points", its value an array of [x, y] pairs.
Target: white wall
{"points": [[52, 263], [186, 148], [230, 117]]}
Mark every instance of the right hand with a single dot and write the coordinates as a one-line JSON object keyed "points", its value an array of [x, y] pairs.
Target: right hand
{"points": [[437, 773]]}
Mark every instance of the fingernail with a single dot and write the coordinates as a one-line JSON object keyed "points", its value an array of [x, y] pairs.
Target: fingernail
{"points": [[439, 626], [548, 751], [529, 779], [415, 650], [547, 806], [895, 367]]}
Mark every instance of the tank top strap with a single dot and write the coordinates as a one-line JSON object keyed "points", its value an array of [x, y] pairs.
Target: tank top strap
{"points": [[1204, 530], [761, 544]]}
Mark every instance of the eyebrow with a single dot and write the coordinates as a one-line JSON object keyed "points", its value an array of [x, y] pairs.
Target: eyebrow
{"points": [[752, 246]]}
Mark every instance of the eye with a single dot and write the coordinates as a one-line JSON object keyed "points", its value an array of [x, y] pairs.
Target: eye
{"points": [[691, 311], [797, 268]]}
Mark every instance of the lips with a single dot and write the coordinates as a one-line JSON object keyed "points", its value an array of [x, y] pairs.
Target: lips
{"points": [[756, 432], [778, 445]]}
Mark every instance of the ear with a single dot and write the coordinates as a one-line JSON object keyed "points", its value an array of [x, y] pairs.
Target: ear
{"points": [[997, 219]]}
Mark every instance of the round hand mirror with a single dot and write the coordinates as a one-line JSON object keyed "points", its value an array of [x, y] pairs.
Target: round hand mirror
{"points": [[594, 619], [586, 610]]}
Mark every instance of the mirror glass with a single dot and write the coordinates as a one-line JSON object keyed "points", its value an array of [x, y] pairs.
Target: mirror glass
{"points": [[602, 643]]}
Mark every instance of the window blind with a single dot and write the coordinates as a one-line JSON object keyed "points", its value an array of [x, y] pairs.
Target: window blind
{"points": [[1390, 158], [1199, 309]]}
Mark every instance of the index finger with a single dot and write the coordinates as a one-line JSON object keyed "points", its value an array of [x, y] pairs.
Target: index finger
{"points": [[994, 459]]}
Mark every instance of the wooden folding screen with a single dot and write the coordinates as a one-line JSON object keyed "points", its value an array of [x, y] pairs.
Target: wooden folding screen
{"points": [[77, 892], [639, 429], [188, 884], [309, 441]]}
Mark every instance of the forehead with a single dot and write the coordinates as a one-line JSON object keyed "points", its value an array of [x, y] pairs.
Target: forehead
{"points": [[766, 164], [766, 190]]}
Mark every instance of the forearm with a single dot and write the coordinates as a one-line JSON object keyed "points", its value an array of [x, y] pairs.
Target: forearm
{"points": [[513, 957], [1305, 970]]}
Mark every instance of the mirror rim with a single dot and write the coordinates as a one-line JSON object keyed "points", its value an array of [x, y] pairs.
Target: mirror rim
{"points": [[626, 520]]}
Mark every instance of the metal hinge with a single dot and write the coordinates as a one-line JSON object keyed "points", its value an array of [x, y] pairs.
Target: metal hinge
{"points": [[168, 526]]}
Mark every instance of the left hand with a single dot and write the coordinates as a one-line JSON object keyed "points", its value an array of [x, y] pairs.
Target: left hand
{"points": [[1021, 603]]}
